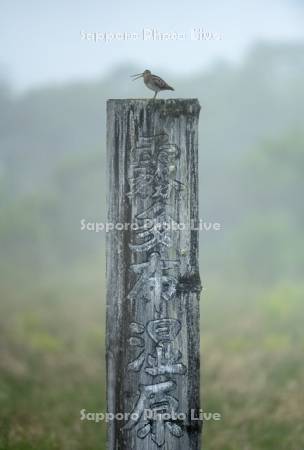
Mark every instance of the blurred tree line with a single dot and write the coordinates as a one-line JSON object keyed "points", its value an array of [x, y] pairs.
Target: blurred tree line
{"points": [[52, 166]]}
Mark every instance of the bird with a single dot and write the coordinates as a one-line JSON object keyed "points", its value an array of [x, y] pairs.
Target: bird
{"points": [[153, 82]]}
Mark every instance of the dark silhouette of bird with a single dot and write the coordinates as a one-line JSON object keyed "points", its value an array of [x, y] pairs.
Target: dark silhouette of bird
{"points": [[153, 82]]}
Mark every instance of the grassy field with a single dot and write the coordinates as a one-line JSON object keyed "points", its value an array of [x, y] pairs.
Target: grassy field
{"points": [[52, 365]]}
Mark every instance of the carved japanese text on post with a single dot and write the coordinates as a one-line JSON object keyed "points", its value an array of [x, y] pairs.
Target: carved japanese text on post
{"points": [[153, 279], [153, 186]]}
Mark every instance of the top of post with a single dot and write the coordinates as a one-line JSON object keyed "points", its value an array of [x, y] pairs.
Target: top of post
{"points": [[175, 106]]}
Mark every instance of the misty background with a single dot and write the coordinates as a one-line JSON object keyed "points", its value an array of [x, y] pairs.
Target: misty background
{"points": [[53, 90]]}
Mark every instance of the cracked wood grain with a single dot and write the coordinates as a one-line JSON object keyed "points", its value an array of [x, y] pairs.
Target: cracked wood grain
{"points": [[153, 283]]}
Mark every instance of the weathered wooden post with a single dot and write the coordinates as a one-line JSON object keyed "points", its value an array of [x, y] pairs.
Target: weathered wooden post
{"points": [[153, 282]]}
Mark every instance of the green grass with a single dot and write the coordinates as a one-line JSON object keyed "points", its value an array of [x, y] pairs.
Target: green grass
{"points": [[52, 365]]}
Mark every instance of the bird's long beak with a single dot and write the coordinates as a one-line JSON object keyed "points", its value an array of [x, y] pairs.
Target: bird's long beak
{"points": [[138, 75]]}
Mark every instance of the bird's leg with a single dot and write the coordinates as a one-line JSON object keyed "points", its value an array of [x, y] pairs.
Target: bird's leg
{"points": [[155, 95]]}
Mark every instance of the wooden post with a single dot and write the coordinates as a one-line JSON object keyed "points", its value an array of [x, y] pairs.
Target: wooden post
{"points": [[153, 282]]}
